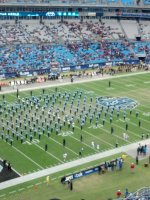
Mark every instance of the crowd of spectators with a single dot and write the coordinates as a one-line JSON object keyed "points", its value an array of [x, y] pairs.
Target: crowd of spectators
{"points": [[34, 45], [37, 56], [31, 31]]}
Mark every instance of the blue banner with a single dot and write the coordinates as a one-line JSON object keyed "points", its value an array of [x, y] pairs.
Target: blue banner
{"points": [[81, 174], [140, 15], [85, 172], [71, 68], [102, 64], [39, 14]]}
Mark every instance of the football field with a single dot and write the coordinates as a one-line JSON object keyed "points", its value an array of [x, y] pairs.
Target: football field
{"points": [[47, 127]]}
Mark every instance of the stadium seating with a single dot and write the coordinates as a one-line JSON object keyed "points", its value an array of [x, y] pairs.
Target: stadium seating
{"points": [[34, 45], [143, 193], [113, 28], [144, 30], [27, 57], [124, 2], [141, 47], [147, 2], [130, 27]]}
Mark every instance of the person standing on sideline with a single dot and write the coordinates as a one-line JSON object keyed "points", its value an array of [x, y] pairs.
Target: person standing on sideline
{"points": [[126, 193], [137, 160], [71, 185], [132, 167], [118, 193]]}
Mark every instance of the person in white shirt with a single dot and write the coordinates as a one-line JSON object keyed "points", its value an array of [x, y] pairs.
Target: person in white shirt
{"points": [[93, 144], [65, 156], [98, 147]]}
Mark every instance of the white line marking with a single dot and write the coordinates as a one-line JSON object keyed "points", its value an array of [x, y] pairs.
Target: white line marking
{"points": [[12, 192], [53, 179], [21, 189], [39, 183], [49, 153], [28, 157], [2, 195], [30, 186]]}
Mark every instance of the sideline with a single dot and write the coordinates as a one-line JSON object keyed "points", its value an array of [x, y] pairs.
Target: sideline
{"points": [[64, 82], [71, 164]]}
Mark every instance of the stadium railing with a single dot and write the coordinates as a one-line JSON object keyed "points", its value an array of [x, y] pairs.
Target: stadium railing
{"points": [[102, 2], [141, 194]]}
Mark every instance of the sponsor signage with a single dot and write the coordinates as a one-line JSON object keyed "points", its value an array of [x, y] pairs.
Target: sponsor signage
{"points": [[141, 15], [39, 14], [69, 68], [24, 73], [82, 173], [65, 69]]}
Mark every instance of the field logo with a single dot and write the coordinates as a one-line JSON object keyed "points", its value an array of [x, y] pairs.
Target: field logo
{"points": [[118, 102], [66, 133], [93, 126], [34, 141]]}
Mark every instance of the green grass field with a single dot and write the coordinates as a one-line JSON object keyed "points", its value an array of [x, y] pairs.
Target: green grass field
{"points": [[93, 187], [31, 156]]}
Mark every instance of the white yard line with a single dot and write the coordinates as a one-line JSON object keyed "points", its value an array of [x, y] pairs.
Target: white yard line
{"points": [[69, 165], [26, 157], [76, 81], [132, 92], [96, 137], [61, 144], [84, 144], [49, 153]]}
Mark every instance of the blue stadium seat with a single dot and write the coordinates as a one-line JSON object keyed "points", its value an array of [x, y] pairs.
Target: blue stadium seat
{"points": [[128, 2], [125, 2], [147, 2]]}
